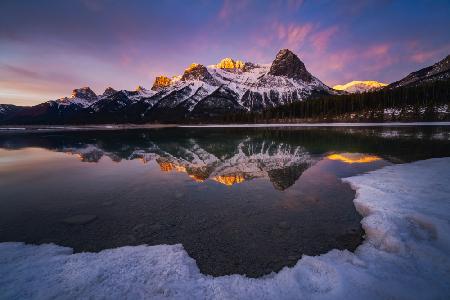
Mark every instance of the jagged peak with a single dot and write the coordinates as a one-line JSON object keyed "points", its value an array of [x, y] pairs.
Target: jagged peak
{"points": [[230, 64], [161, 82], [194, 66], [288, 64], [175, 78], [84, 93], [197, 72], [109, 91], [141, 89]]}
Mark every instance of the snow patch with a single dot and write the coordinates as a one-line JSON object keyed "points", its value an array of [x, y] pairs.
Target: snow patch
{"points": [[406, 211]]}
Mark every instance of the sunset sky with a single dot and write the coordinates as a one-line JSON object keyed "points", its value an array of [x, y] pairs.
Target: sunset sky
{"points": [[47, 48]]}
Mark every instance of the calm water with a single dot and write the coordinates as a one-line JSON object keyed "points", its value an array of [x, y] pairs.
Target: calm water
{"points": [[247, 201]]}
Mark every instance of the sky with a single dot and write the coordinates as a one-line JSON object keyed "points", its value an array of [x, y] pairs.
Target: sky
{"points": [[48, 48]]}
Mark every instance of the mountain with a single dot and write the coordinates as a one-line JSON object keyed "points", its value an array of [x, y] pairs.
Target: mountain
{"points": [[8, 109], [202, 157], [201, 92], [358, 86], [438, 71]]}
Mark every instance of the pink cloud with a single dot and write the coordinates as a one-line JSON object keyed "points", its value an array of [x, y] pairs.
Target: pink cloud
{"points": [[417, 52], [321, 39], [293, 35], [422, 56], [343, 65], [377, 50]]}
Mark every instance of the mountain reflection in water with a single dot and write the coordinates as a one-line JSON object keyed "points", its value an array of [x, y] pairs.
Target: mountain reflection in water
{"points": [[248, 201]]}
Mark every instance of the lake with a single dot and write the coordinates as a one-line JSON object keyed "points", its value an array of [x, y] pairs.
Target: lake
{"points": [[240, 200]]}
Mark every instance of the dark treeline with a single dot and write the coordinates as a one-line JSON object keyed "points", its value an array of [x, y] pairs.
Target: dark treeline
{"points": [[415, 103]]}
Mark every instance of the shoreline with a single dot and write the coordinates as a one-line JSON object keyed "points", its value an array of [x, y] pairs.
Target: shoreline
{"points": [[34, 128], [402, 243], [44, 128]]}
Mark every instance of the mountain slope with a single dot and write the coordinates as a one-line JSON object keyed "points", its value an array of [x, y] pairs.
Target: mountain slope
{"points": [[438, 71], [199, 93]]}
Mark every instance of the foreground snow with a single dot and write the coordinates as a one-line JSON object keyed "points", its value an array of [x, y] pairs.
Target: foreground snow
{"points": [[406, 211]]}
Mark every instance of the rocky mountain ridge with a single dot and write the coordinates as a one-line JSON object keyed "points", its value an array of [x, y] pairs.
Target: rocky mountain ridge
{"points": [[438, 71], [203, 93]]}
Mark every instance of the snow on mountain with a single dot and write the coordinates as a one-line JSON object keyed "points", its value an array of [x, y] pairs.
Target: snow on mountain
{"points": [[230, 64], [3, 108], [358, 86], [108, 92], [83, 97], [438, 71], [230, 86]]}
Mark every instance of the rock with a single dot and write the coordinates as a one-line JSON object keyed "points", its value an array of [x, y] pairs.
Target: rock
{"points": [[284, 225], [84, 93], [198, 72], [79, 219], [161, 82], [230, 64], [141, 89], [288, 64], [108, 92]]}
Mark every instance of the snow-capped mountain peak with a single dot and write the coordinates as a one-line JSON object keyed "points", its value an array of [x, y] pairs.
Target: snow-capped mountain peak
{"points": [[82, 97], [141, 90], [198, 72], [229, 87], [161, 82], [84, 93], [230, 64], [359, 86], [108, 92]]}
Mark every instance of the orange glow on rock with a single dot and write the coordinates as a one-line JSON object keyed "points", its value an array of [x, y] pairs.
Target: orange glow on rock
{"points": [[161, 82], [228, 63]]}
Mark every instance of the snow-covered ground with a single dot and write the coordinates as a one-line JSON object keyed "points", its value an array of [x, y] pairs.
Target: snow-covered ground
{"points": [[406, 255]]}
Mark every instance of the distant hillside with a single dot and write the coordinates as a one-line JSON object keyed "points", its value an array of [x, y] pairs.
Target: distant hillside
{"points": [[358, 86], [429, 101], [438, 71]]}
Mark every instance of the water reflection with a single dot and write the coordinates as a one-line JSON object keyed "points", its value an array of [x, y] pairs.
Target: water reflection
{"points": [[240, 201], [353, 158]]}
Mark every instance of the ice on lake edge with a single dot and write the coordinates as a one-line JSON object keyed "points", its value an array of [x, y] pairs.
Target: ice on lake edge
{"points": [[406, 210]]}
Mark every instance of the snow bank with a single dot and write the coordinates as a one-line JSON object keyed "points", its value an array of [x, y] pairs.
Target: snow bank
{"points": [[406, 255]]}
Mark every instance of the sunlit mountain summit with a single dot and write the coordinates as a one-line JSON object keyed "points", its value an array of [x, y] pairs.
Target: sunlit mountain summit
{"points": [[358, 86]]}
